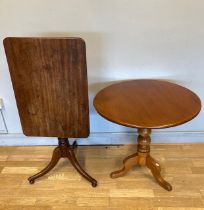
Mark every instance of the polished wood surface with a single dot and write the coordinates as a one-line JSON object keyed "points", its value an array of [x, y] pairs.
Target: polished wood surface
{"points": [[49, 78], [143, 158], [65, 189], [147, 104]]}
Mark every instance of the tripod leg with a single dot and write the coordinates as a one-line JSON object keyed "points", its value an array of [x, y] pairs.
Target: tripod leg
{"points": [[55, 158], [75, 163], [155, 163], [156, 173], [128, 163]]}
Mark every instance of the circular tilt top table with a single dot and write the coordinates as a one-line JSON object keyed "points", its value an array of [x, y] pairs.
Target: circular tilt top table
{"points": [[146, 105]]}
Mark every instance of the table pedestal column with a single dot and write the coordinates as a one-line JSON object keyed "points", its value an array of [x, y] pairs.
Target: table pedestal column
{"points": [[143, 158]]}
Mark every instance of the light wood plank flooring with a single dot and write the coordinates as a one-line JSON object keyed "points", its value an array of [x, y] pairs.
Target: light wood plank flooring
{"points": [[63, 188]]}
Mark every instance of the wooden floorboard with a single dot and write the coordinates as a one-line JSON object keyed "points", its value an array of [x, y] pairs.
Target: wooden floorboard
{"points": [[63, 188]]}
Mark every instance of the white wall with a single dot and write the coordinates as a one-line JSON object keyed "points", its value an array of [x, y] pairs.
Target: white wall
{"points": [[125, 39]]}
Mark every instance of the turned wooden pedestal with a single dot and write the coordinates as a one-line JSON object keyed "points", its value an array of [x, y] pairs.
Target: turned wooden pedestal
{"points": [[143, 158], [64, 150], [146, 105]]}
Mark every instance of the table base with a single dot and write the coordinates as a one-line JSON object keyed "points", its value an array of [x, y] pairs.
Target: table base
{"points": [[64, 150], [143, 158]]}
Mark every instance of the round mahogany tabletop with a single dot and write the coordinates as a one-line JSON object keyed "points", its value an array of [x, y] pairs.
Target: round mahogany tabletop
{"points": [[147, 104]]}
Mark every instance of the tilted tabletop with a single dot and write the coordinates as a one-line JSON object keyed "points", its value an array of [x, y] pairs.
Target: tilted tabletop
{"points": [[147, 104]]}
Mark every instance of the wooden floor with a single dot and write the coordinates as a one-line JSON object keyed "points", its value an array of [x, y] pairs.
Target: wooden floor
{"points": [[64, 189]]}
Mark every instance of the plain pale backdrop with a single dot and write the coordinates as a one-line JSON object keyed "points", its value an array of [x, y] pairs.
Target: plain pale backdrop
{"points": [[126, 39]]}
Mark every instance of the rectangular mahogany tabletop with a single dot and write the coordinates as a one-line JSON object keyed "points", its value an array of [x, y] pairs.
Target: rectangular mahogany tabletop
{"points": [[49, 78]]}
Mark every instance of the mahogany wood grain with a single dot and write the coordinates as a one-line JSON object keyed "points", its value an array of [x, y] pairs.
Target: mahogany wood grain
{"points": [[147, 104], [49, 78]]}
